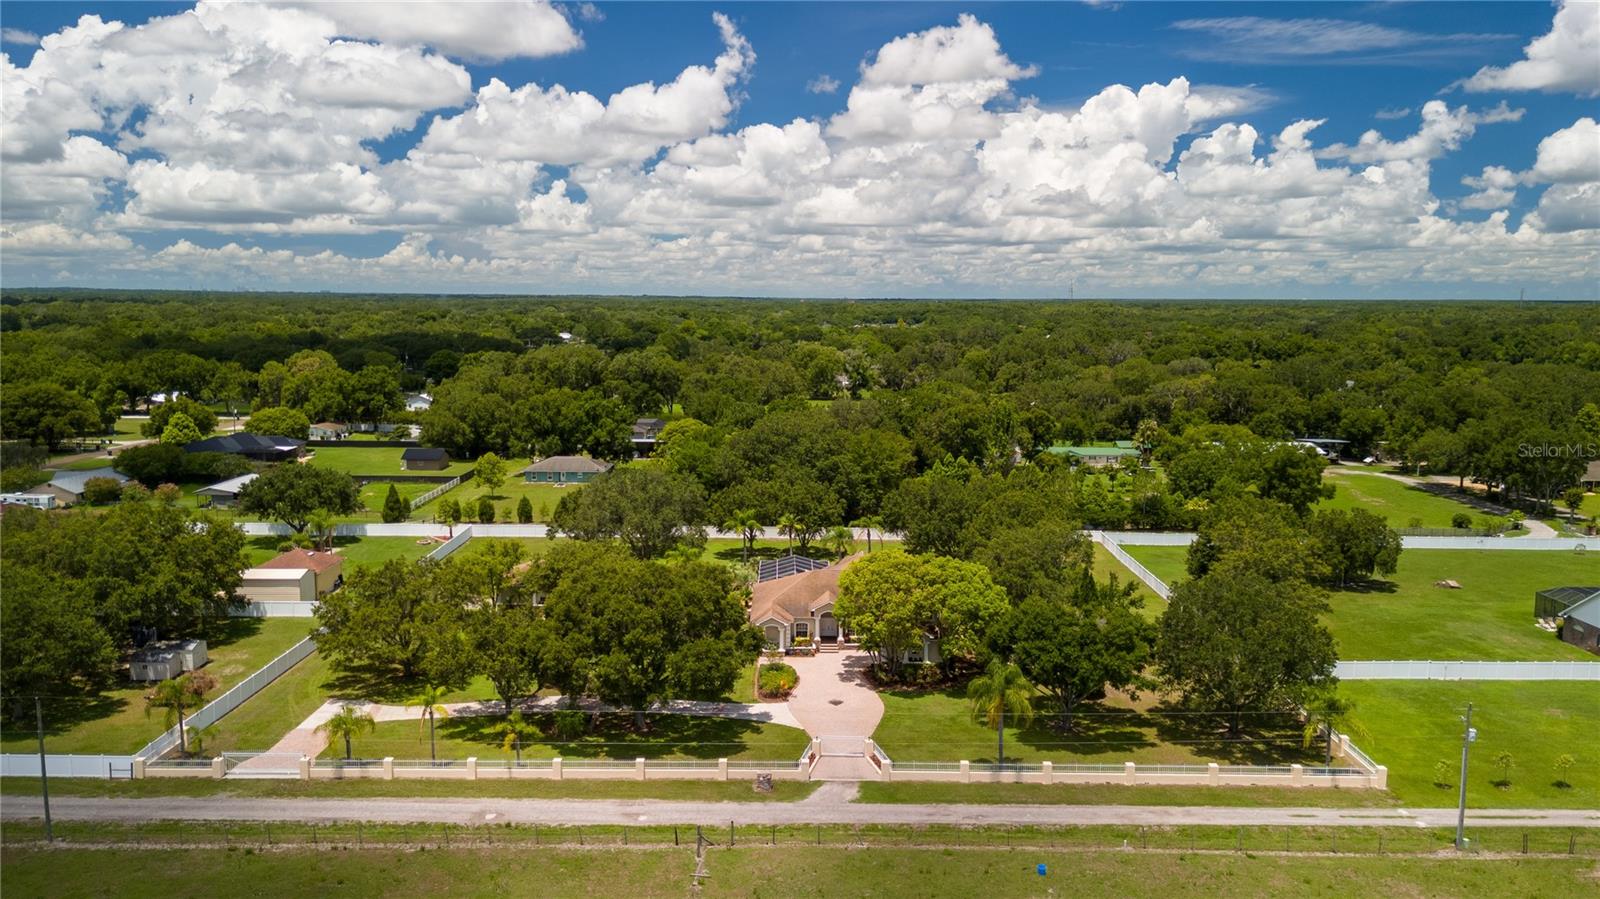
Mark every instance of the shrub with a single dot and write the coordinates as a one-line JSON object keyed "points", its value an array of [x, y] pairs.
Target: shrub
{"points": [[1461, 520], [395, 507], [485, 509], [16, 480], [524, 511], [168, 494], [776, 680], [569, 723], [98, 491]]}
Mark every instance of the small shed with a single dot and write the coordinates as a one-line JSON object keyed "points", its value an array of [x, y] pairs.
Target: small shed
{"points": [[1580, 624], [564, 470], [191, 654], [154, 664], [224, 494], [424, 458]]}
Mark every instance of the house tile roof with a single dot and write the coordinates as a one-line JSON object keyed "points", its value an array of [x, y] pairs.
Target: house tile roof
{"points": [[73, 481], [245, 442], [424, 454], [798, 595], [569, 464], [302, 558]]}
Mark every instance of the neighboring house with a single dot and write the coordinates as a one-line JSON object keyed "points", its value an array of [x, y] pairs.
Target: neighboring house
{"points": [[224, 494], [67, 486], [1591, 475], [298, 574], [329, 430], [1096, 456], [35, 500], [418, 402], [424, 458], [645, 433], [1577, 611], [564, 470], [792, 606], [259, 447]]}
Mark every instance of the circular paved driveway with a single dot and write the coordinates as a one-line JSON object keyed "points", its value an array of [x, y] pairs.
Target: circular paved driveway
{"points": [[833, 698]]}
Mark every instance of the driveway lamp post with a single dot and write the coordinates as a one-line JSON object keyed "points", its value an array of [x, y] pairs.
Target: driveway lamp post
{"points": [[1469, 735]]}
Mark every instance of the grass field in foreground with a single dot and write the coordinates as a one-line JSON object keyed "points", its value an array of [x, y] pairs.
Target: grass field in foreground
{"points": [[787, 870], [1410, 725], [1398, 502], [669, 737], [903, 792], [937, 726], [1407, 617], [114, 722], [689, 790]]}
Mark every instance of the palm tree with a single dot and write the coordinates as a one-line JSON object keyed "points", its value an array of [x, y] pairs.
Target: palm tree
{"points": [[841, 540], [513, 731], [869, 524], [320, 524], [431, 701], [178, 696], [349, 721], [1001, 688], [1327, 710], [789, 526], [199, 736], [744, 523]]}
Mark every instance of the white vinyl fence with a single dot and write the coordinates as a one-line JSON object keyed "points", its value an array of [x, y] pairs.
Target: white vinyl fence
{"points": [[438, 491], [232, 699], [400, 529], [1432, 670], [22, 764], [454, 543], [1139, 571]]}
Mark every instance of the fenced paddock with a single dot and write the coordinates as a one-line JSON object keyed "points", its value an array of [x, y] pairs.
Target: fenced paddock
{"points": [[1435, 670]]}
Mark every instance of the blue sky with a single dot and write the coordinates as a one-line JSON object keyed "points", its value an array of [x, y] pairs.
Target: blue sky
{"points": [[1356, 67]]}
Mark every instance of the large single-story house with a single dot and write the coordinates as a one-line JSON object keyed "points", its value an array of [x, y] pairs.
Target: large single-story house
{"points": [[800, 604], [260, 447], [224, 494], [67, 486], [298, 574], [1096, 456], [645, 433], [424, 458], [1591, 475], [329, 430], [418, 402], [564, 470]]}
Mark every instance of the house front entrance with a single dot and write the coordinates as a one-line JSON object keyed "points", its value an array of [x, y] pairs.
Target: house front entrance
{"points": [[827, 627]]}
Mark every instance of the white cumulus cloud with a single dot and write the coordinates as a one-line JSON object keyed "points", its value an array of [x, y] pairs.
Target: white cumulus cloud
{"points": [[1565, 60]]}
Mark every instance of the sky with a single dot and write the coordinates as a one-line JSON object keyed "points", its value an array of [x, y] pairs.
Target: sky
{"points": [[1104, 149]]}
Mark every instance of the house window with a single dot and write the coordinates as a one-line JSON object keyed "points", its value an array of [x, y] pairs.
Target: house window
{"points": [[801, 629]]}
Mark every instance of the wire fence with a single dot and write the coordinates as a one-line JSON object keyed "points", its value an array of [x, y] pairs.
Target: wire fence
{"points": [[1397, 840]]}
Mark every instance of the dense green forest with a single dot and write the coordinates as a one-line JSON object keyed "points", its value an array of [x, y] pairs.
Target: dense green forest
{"points": [[821, 408]]}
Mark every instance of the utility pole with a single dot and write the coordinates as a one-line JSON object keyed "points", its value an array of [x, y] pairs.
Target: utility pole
{"points": [[1468, 735], [44, 780]]}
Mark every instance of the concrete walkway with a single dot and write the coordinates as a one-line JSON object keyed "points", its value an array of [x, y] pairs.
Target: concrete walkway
{"points": [[833, 701], [831, 810]]}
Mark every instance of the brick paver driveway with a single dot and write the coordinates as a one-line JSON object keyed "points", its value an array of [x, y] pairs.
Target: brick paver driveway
{"points": [[833, 698]]}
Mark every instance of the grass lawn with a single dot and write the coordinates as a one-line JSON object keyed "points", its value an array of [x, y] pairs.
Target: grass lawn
{"points": [[375, 460], [532, 547], [267, 716], [690, 790], [670, 737], [1106, 565], [357, 551], [100, 461], [1490, 617], [1396, 501], [1410, 725], [1166, 562], [794, 869], [937, 726], [903, 792], [543, 497], [114, 722]]}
